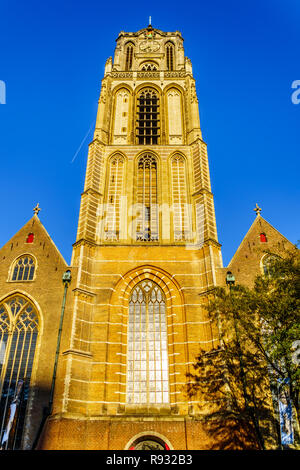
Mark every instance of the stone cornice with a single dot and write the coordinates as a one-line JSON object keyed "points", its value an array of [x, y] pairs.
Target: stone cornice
{"points": [[77, 352], [145, 74], [78, 290]]}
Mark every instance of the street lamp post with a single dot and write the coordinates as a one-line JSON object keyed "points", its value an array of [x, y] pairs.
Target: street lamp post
{"points": [[66, 278]]}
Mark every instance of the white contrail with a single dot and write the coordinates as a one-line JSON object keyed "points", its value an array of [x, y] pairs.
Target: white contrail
{"points": [[84, 139]]}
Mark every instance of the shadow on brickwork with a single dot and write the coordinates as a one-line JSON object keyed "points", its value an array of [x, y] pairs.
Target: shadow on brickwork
{"points": [[235, 414]]}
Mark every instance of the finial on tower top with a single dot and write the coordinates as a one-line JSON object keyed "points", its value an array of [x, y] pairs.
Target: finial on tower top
{"points": [[150, 19], [257, 210], [37, 209]]}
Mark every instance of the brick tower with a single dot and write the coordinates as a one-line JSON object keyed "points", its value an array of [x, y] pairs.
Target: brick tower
{"points": [[144, 261]]}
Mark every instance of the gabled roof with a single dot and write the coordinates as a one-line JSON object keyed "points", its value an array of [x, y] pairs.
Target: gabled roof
{"points": [[34, 224], [258, 220]]}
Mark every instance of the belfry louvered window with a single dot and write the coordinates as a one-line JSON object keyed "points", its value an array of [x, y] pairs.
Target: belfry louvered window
{"points": [[129, 57], [148, 118], [112, 221], [147, 207], [170, 56], [181, 215], [18, 337], [147, 350]]}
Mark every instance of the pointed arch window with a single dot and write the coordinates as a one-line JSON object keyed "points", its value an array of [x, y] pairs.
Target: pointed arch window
{"points": [[23, 269], [19, 328], [181, 216], [129, 56], [147, 352], [114, 198], [147, 219], [268, 263], [148, 118], [170, 56]]}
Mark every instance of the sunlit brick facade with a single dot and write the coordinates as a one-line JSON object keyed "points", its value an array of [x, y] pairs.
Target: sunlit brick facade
{"points": [[146, 222]]}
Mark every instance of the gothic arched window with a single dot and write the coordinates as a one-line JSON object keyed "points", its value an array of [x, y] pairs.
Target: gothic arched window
{"points": [[147, 350], [147, 217], [129, 56], [23, 269], [148, 118], [181, 216], [114, 193], [268, 264], [18, 337], [170, 56]]}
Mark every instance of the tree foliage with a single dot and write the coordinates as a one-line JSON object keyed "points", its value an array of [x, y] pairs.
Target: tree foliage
{"points": [[258, 329]]}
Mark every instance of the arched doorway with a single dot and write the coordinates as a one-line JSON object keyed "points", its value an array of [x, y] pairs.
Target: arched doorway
{"points": [[149, 441]]}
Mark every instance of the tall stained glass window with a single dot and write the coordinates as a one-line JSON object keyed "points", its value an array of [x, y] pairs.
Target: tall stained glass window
{"points": [[18, 337], [147, 352]]}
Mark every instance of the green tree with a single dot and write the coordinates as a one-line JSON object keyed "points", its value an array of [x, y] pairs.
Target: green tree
{"points": [[258, 328]]}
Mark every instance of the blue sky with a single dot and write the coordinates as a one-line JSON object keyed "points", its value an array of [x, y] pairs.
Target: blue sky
{"points": [[245, 57]]}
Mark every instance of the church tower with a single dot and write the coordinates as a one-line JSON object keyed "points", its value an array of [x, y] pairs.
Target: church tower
{"points": [[144, 261]]}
